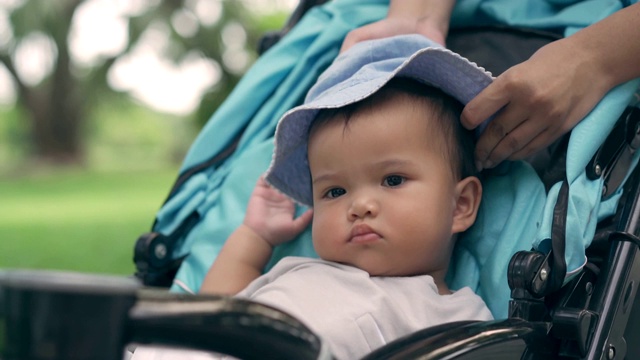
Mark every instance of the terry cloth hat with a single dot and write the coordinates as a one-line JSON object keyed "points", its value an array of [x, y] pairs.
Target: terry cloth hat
{"points": [[355, 75]]}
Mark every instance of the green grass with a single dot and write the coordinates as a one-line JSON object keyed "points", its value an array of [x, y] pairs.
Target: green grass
{"points": [[83, 221]]}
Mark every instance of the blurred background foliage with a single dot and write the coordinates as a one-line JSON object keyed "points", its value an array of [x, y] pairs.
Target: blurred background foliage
{"points": [[99, 102]]}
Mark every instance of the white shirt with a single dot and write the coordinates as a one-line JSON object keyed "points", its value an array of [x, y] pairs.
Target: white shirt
{"points": [[355, 312], [352, 311]]}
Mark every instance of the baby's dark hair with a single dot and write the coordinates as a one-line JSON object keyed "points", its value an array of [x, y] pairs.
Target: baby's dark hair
{"points": [[457, 144]]}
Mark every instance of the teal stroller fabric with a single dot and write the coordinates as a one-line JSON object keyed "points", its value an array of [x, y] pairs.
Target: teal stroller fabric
{"points": [[516, 212], [277, 82]]}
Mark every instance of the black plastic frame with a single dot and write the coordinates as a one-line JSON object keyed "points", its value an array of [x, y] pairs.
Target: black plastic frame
{"points": [[615, 293]]}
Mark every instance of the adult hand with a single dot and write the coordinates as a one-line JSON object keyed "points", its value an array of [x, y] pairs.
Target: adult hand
{"points": [[270, 215], [427, 17], [543, 98], [388, 27], [535, 102]]}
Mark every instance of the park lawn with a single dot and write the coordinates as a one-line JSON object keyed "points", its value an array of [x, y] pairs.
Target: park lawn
{"points": [[83, 221]]}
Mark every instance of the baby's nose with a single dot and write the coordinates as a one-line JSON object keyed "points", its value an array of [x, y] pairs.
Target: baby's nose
{"points": [[363, 206]]}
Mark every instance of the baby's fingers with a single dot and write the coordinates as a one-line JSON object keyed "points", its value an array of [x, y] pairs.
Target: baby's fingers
{"points": [[302, 221]]}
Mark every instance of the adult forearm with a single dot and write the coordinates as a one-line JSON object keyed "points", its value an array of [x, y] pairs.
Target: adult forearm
{"points": [[613, 45], [240, 261]]}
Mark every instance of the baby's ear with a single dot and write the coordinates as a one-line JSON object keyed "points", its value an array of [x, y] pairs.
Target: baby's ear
{"points": [[469, 194]]}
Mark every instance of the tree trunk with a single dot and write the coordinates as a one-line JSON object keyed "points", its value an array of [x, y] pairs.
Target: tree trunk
{"points": [[56, 119], [57, 107], [56, 125]]}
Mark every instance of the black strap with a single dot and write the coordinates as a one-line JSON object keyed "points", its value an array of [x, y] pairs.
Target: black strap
{"points": [[558, 264]]}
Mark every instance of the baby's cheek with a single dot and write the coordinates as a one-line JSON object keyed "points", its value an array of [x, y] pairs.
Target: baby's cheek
{"points": [[323, 239]]}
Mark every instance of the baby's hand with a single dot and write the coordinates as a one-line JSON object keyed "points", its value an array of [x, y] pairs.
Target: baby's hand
{"points": [[270, 215]]}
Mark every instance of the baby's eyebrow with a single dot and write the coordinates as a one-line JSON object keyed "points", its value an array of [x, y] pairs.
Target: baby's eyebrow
{"points": [[324, 177], [386, 163]]}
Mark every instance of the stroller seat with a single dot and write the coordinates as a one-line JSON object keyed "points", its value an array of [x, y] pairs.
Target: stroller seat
{"points": [[517, 213]]}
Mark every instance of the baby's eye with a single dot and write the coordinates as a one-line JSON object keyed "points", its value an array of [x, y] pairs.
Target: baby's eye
{"points": [[335, 192], [393, 180]]}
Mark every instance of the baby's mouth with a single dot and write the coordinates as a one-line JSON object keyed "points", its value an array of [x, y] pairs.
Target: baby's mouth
{"points": [[362, 234]]}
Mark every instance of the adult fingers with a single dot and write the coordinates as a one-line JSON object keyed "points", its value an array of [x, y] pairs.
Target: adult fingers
{"points": [[544, 139], [488, 102], [555, 128], [520, 140], [501, 128], [366, 32]]}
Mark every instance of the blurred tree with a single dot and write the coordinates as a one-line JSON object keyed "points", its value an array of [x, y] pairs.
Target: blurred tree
{"points": [[57, 97]]}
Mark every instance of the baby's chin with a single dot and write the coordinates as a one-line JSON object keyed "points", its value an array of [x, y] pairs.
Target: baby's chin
{"points": [[378, 270]]}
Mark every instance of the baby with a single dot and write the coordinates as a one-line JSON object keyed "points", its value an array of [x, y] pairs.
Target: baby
{"points": [[378, 153], [382, 159]]}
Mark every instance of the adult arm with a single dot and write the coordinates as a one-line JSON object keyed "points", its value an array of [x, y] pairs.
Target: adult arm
{"points": [[427, 17], [269, 221], [541, 99]]}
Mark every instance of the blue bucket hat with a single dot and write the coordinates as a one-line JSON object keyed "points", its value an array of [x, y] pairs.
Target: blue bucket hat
{"points": [[355, 75]]}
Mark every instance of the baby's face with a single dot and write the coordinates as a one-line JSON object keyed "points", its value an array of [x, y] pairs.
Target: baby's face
{"points": [[384, 194]]}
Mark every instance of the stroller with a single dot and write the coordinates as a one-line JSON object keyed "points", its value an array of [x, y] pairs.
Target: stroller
{"points": [[561, 306]]}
